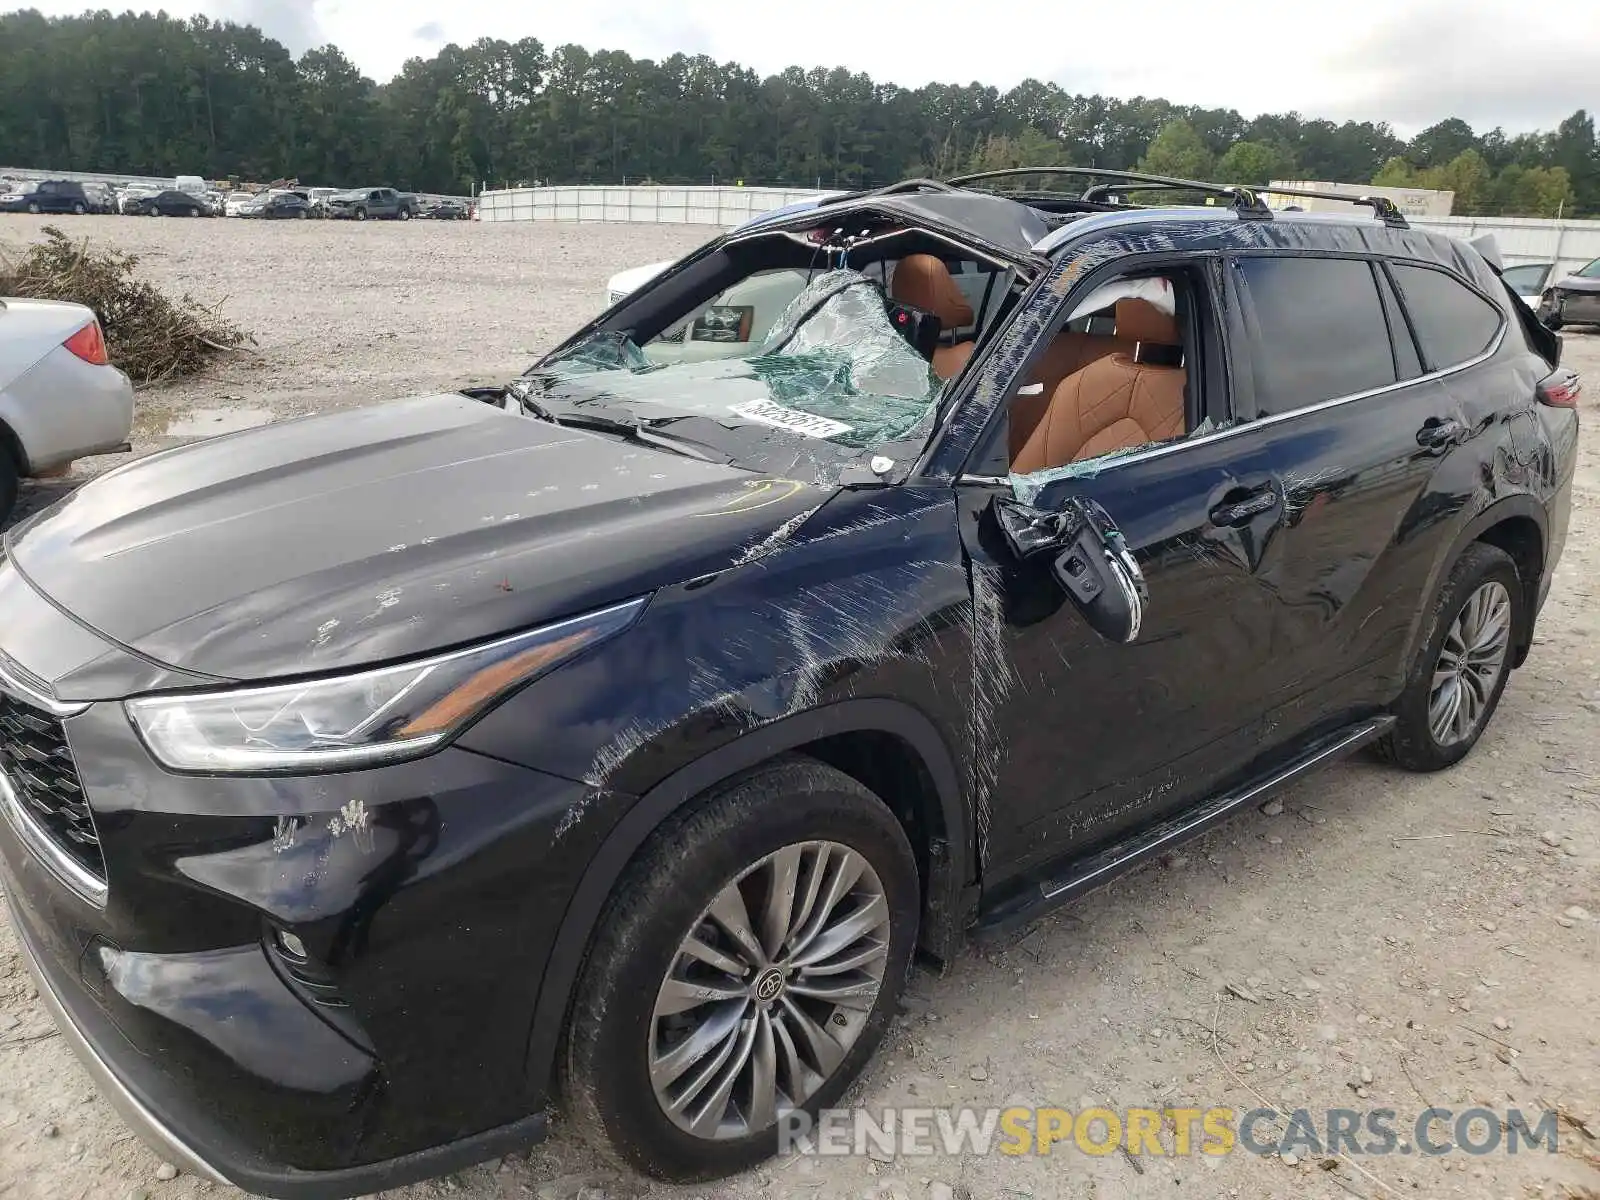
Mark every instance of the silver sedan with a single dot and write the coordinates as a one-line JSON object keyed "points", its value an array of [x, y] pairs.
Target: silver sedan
{"points": [[60, 397]]}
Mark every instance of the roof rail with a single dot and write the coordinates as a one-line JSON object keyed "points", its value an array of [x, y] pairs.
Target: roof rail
{"points": [[1382, 206], [1244, 200]]}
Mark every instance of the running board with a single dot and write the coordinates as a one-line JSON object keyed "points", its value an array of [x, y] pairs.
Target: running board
{"points": [[1087, 874]]}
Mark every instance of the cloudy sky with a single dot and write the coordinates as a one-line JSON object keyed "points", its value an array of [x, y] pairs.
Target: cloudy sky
{"points": [[1523, 64]]}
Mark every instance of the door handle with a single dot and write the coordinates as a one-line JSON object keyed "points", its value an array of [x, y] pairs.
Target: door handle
{"points": [[1239, 512], [1437, 433]]}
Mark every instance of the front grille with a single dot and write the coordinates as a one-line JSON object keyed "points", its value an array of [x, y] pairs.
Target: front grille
{"points": [[36, 759]]}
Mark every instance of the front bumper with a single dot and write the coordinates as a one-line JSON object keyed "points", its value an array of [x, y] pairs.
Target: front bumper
{"points": [[427, 896]]}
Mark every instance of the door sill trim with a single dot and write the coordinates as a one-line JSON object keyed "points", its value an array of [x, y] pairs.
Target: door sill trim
{"points": [[1096, 870]]}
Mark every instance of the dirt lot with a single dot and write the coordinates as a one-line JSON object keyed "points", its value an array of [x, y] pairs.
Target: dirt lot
{"points": [[1418, 938]]}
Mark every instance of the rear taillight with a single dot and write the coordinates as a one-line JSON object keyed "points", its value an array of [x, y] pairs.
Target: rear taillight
{"points": [[1560, 390], [89, 344]]}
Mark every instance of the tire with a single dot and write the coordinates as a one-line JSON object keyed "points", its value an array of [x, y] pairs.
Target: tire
{"points": [[8, 484], [78, 210], [302, 214], [796, 814], [33, 207], [194, 212], [1421, 740], [361, 214], [152, 211], [405, 214]]}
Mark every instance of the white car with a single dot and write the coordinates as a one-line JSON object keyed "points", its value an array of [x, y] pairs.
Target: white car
{"points": [[60, 397], [1528, 280], [237, 202]]}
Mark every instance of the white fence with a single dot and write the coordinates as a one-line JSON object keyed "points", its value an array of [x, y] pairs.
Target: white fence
{"points": [[650, 204], [1569, 243]]}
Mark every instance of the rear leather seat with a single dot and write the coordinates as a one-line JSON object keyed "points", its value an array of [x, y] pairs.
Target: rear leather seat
{"points": [[1117, 401]]}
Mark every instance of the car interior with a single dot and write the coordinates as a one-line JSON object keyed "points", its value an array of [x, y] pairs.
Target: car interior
{"points": [[1115, 378], [940, 296]]}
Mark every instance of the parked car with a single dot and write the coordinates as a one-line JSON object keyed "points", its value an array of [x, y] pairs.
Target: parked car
{"points": [[319, 199], [284, 206], [447, 210], [60, 400], [1528, 281], [128, 197], [364, 204], [102, 199], [619, 732], [237, 202], [170, 203], [1574, 299], [49, 196]]}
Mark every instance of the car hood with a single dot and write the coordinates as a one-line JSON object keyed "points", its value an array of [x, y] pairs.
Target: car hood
{"points": [[378, 533], [1578, 283]]}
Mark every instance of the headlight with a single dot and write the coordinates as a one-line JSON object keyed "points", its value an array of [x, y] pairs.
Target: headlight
{"points": [[358, 720]]}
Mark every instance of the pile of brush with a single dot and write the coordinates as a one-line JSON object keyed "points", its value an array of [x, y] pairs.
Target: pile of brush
{"points": [[148, 334]]}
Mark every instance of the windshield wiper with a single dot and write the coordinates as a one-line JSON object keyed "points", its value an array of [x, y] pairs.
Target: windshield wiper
{"points": [[636, 429]]}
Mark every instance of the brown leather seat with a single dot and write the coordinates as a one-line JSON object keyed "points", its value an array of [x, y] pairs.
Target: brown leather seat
{"points": [[924, 282], [1116, 402], [1067, 353]]}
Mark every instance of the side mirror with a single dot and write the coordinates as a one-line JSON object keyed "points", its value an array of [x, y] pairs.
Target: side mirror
{"points": [[1090, 560]]}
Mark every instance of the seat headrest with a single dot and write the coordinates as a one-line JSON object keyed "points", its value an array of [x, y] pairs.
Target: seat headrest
{"points": [[1141, 321], [924, 282]]}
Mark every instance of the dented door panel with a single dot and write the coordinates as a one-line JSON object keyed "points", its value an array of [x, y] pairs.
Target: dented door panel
{"points": [[1102, 734]]}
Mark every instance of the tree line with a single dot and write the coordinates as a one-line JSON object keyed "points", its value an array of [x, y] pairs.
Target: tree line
{"points": [[151, 94]]}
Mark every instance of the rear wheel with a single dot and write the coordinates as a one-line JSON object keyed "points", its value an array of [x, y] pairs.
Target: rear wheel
{"points": [[78, 210], [33, 207], [1459, 675], [302, 214], [405, 214], [747, 965]]}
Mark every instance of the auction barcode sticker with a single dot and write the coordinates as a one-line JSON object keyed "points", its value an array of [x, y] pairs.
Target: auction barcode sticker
{"points": [[770, 412]]}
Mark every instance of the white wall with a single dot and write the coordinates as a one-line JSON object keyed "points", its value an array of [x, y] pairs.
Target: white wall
{"points": [[1571, 243], [655, 205]]}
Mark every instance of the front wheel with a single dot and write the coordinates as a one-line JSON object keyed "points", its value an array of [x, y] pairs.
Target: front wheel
{"points": [[747, 966], [194, 212], [302, 214], [152, 211], [78, 210], [361, 214], [33, 208], [1457, 680], [405, 214]]}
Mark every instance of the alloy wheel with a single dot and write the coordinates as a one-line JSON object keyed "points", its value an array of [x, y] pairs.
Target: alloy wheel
{"points": [[769, 990], [1470, 663]]}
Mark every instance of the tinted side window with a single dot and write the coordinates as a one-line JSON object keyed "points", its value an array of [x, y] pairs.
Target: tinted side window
{"points": [[1452, 321], [1321, 331]]}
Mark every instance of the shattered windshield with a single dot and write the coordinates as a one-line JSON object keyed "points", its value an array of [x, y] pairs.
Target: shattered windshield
{"points": [[830, 377]]}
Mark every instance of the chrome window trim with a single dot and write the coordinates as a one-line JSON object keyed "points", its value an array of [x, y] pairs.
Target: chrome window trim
{"points": [[37, 839], [1115, 461]]}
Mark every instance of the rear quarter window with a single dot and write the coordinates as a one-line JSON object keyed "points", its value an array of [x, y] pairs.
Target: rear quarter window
{"points": [[1453, 323], [1320, 331]]}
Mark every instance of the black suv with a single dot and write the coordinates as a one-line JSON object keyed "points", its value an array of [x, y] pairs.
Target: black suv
{"points": [[50, 196], [882, 572]]}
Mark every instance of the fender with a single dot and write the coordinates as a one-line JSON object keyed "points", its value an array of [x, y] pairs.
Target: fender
{"points": [[951, 865], [1521, 505]]}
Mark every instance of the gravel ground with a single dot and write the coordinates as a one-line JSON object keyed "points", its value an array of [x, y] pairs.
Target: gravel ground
{"points": [[1429, 940]]}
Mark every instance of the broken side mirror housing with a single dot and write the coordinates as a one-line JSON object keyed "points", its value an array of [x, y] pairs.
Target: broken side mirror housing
{"points": [[1090, 560]]}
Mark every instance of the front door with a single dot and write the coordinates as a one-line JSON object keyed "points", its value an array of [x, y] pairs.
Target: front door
{"points": [[1077, 737]]}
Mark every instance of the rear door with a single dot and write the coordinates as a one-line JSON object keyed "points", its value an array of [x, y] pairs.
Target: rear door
{"points": [[1337, 405]]}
